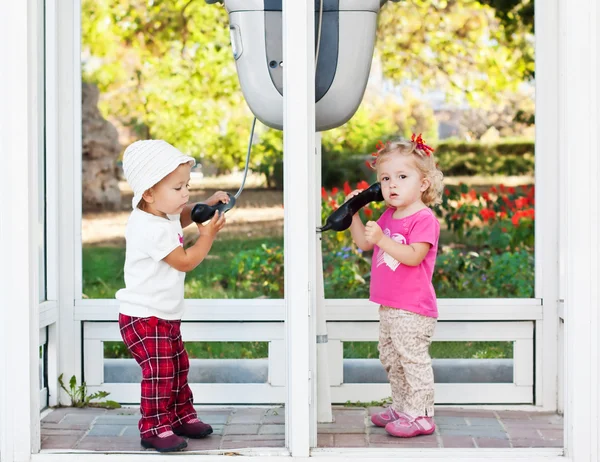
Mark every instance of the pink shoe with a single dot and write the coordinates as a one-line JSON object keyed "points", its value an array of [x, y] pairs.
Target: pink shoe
{"points": [[407, 428], [386, 416]]}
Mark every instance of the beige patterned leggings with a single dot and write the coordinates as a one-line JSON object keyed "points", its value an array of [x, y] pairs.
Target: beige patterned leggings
{"points": [[404, 340]]}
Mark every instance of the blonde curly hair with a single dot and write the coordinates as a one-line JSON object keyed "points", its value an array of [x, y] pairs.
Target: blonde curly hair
{"points": [[424, 161]]}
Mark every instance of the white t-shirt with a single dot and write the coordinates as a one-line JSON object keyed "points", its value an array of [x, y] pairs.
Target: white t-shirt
{"points": [[152, 287]]}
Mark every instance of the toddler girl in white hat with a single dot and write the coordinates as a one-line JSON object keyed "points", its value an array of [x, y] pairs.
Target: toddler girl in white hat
{"points": [[152, 302]]}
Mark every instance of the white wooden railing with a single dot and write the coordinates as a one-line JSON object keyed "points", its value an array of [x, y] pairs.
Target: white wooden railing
{"points": [[507, 320]]}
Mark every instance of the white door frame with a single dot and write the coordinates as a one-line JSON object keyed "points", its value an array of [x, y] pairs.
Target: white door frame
{"points": [[20, 67], [300, 217], [547, 197], [575, 100]]}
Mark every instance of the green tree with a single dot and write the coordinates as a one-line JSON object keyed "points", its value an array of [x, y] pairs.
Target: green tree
{"points": [[165, 69], [379, 118], [459, 46]]}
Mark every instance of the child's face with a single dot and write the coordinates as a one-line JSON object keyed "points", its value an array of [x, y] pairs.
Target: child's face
{"points": [[171, 194], [401, 182]]}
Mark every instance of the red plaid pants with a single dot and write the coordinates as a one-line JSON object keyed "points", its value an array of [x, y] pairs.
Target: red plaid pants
{"points": [[156, 345]]}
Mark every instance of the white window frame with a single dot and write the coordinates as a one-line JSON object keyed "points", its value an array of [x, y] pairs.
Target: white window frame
{"points": [[567, 101]]}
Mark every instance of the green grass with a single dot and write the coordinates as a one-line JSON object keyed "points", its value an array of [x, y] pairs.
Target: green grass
{"points": [[253, 350], [103, 270], [439, 350], [203, 350], [103, 276]]}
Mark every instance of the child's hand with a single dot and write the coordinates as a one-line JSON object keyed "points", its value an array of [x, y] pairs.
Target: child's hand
{"points": [[352, 194], [213, 226], [219, 196], [373, 232]]}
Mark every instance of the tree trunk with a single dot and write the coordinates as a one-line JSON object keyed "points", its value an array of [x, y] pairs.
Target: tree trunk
{"points": [[100, 149]]}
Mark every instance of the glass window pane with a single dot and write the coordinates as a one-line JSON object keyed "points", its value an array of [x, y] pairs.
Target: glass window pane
{"points": [[155, 71]]}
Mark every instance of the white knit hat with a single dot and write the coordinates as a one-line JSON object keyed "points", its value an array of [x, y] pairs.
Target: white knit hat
{"points": [[147, 162]]}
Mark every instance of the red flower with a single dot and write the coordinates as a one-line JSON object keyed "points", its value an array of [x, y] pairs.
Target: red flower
{"points": [[515, 219], [486, 196], [447, 192], [334, 191], [368, 213], [502, 188], [323, 193], [347, 188], [521, 202], [487, 214], [362, 185], [494, 190], [511, 190], [473, 194]]}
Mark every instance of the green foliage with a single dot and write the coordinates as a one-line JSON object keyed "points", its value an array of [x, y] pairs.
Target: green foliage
{"points": [[103, 270], [80, 398], [454, 159], [269, 151], [468, 274], [439, 350], [259, 270], [251, 350], [492, 235], [351, 168], [346, 272], [505, 158], [344, 149], [517, 20], [203, 350], [458, 274], [380, 118], [165, 69], [460, 46]]}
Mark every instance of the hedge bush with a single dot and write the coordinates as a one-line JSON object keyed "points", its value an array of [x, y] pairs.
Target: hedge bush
{"points": [[454, 158]]}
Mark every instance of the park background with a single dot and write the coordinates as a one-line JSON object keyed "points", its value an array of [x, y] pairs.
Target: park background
{"points": [[460, 72]]}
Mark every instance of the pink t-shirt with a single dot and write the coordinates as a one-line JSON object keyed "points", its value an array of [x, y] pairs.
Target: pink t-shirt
{"points": [[400, 286]]}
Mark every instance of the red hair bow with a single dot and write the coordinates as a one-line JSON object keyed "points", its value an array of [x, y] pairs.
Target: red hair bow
{"points": [[421, 144], [380, 146]]}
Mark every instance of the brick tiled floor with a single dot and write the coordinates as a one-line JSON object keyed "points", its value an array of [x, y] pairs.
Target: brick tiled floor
{"points": [[235, 428]]}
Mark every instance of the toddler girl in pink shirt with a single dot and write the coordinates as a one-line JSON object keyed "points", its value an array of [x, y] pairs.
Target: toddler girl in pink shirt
{"points": [[404, 242]]}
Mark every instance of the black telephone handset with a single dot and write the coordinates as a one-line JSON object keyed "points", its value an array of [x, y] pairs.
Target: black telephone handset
{"points": [[341, 219], [203, 212]]}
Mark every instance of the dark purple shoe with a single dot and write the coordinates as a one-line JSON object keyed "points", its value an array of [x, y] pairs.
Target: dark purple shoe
{"points": [[170, 443], [193, 430]]}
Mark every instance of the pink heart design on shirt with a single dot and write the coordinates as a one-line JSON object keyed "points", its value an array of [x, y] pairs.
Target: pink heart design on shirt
{"points": [[180, 238]]}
